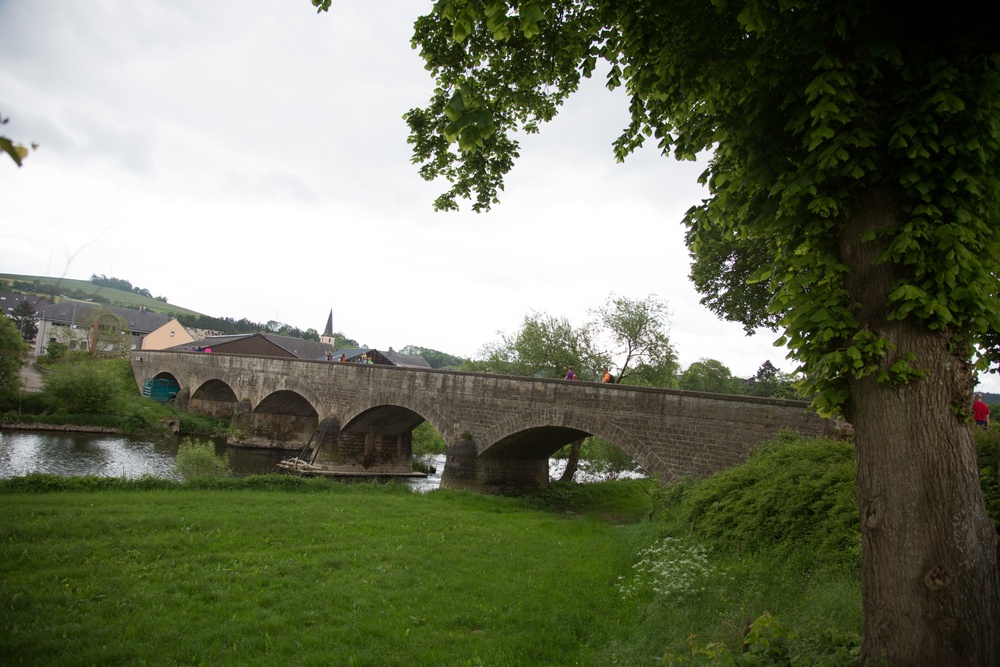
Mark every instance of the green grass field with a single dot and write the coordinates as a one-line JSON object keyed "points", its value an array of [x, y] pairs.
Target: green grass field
{"points": [[279, 572]]}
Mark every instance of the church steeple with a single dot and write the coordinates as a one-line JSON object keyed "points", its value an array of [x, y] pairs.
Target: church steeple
{"points": [[327, 336]]}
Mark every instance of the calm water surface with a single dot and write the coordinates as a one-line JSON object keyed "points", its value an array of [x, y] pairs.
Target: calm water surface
{"points": [[107, 455], [104, 455]]}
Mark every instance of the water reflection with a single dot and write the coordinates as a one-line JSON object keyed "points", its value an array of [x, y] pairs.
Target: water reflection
{"points": [[105, 455]]}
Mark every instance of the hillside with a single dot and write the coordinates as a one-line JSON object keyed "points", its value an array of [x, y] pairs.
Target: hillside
{"points": [[49, 288]]}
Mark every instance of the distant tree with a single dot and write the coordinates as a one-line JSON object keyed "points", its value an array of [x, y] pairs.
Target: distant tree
{"points": [[109, 333], [435, 358], [13, 357], [23, 317], [713, 376], [310, 334], [113, 283], [637, 329], [769, 382], [544, 346], [342, 342]]}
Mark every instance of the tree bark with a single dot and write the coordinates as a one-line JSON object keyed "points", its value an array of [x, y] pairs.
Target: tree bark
{"points": [[572, 462], [930, 587]]}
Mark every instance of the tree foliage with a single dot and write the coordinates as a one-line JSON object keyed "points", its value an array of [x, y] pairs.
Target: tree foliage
{"points": [[544, 346], [768, 381], [85, 387], [640, 347], [849, 96], [435, 358], [626, 335], [123, 285], [13, 351], [712, 376], [108, 333], [23, 317]]}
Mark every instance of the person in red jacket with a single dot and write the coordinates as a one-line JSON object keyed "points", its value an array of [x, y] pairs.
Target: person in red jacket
{"points": [[981, 412]]}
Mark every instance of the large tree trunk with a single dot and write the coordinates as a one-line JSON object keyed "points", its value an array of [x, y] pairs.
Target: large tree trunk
{"points": [[930, 588]]}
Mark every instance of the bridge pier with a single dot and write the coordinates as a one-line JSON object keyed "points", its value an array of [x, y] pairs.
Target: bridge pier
{"points": [[463, 469], [368, 452]]}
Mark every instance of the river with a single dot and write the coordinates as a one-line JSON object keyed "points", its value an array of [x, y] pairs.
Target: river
{"points": [[108, 455]]}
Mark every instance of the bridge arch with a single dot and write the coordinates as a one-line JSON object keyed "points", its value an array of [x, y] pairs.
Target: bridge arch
{"points": [[571, 422], [514, 453], [391, 401], [282, 416], [214, 398]]}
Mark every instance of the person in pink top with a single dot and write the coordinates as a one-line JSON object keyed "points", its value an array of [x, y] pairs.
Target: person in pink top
{"points": [[980, 412]]}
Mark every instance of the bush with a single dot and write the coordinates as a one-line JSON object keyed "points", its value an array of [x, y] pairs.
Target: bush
{"points": [[987, 447], [767, 642], [195, 424], [791, 493], [196, 459], [85, 387]]}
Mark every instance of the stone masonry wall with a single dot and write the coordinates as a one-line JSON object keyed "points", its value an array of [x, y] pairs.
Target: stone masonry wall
{"points": [[668, 432]]}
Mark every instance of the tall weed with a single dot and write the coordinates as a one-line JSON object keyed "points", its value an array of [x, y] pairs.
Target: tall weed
{"points": [[197, 459]]}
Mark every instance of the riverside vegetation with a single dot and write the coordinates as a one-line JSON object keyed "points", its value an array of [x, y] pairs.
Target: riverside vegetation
{"points": [[756, 565]]}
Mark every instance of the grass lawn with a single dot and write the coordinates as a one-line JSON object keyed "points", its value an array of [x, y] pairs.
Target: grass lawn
{"points": [[361, 575]]}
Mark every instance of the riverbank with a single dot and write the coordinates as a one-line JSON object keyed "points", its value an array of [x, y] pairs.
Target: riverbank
{"points": [[63, 428]]}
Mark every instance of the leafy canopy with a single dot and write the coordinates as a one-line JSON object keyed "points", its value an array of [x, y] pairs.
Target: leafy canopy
{"points": [[808, 107], [628, 336]]}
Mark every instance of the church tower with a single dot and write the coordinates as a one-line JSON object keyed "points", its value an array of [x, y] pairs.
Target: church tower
{"points": [[327, 337]]}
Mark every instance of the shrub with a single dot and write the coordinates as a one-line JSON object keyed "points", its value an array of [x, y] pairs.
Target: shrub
{"points": [[196, 459], [987, 448], [192, 423], [84, 387], [791, 493], [767, 642]]}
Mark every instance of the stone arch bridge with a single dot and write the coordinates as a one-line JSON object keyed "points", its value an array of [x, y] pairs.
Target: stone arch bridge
{"points": [[500, 430]]}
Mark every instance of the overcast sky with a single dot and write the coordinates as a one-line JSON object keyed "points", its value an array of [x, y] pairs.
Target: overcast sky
{"points": [[249, 159]]}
